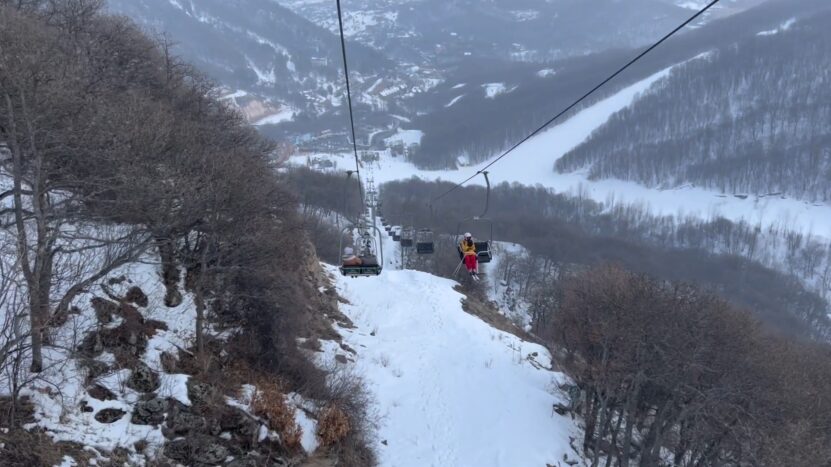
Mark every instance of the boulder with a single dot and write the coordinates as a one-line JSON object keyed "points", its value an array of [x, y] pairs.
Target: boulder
{"points": [[196, 451], [101, 393], [149, 412], [143, 379], [201, 393], [173, 297], [210, 453], [137, 297], [104, 309], [242, 463], [95, 368], [178, 450], [109, 415], [182, 422]]}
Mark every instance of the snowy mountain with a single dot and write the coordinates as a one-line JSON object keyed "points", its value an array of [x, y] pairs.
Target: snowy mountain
{"points": [[258, 47], [723, 122], [436, 31], [478, 127]]}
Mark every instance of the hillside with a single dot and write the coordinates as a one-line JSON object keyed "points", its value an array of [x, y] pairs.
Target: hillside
{"points": [[477, 127], [146, 315], [724, 122], [428, 32], [256, 46]]}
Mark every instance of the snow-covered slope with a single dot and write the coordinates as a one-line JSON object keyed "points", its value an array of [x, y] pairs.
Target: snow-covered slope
{"points": [[450, 389]]}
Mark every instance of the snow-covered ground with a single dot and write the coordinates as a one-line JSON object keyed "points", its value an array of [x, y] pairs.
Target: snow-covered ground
{"points": [[60, 412], [285, 114], [450, 389], [494, 89], [405, 137], [783, 27], [454, 101]]}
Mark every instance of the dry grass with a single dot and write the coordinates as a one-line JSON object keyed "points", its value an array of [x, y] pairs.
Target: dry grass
{"points": [[333, 426], [270, 403]]}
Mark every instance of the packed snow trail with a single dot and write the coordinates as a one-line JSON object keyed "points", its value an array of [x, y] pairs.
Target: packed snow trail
{"points": [[451, 391]]}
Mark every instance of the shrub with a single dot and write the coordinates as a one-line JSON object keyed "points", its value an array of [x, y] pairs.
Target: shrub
{"points": [[270, 403]]}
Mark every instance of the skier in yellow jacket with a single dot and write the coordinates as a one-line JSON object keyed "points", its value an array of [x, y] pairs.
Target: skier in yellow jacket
{"points": [[468, 249]]}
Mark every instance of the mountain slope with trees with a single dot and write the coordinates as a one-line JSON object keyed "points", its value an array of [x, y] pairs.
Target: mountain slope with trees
{"points": [[751, 118], [478, 128], [144, 238]]}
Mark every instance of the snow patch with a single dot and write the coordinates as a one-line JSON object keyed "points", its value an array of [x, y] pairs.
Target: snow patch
{"points": [[782, 27], [494, 89], [454, 101], [405, 137], [285, 114]]}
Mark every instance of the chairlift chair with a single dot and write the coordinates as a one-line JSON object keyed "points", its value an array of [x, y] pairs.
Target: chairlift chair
{"points": [[480, 224], [484, 253], [396, 234], [370, 254], [407, 237], [424, 242]]}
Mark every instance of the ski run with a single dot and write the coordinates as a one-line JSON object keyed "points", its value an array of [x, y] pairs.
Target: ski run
{"points": [[450, 389]]}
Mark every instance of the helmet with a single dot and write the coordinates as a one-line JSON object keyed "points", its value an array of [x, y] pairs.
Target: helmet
{"points": [[348, 251], [468, 235]]}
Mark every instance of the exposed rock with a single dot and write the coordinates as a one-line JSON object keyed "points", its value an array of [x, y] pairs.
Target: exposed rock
{"points": [[210, 453], [173, 297], [143, 379], [196, 451], [95, 368], [109, 415], [100, 392], [560, 409], [85, 407], [181, 422], [92, 345], [104, 309], [137, 297], [242, 463], [116, 280], [178, 450], [149, 412], [201, 393]]}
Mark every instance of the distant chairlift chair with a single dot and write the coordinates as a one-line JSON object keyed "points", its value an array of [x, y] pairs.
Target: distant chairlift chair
{"points": [[407, 237], [424, 242]]}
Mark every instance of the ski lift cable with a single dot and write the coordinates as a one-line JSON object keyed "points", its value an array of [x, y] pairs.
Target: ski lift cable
{"points": [[581, 99], [349, 101]]}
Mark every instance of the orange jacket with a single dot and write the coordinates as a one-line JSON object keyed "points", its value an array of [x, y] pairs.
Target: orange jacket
{"points": [[468, 250]]}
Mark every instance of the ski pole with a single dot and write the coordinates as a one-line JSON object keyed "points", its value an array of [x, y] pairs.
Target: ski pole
{"points": [[456, 271]]}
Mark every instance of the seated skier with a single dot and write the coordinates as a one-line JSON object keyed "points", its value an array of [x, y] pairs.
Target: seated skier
{"points": [[350, 259], [468, 249]]}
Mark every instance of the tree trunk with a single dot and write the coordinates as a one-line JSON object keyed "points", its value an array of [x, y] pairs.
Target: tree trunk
{"points": [[199, 299]]}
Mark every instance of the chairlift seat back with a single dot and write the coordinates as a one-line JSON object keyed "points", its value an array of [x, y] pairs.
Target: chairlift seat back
{"points": [[425, 248], [364, 270], [483, 252]]}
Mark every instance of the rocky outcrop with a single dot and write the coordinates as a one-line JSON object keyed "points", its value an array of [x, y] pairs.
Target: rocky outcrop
{"points": [[109, 415], [143, 379], [149, 412]]}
